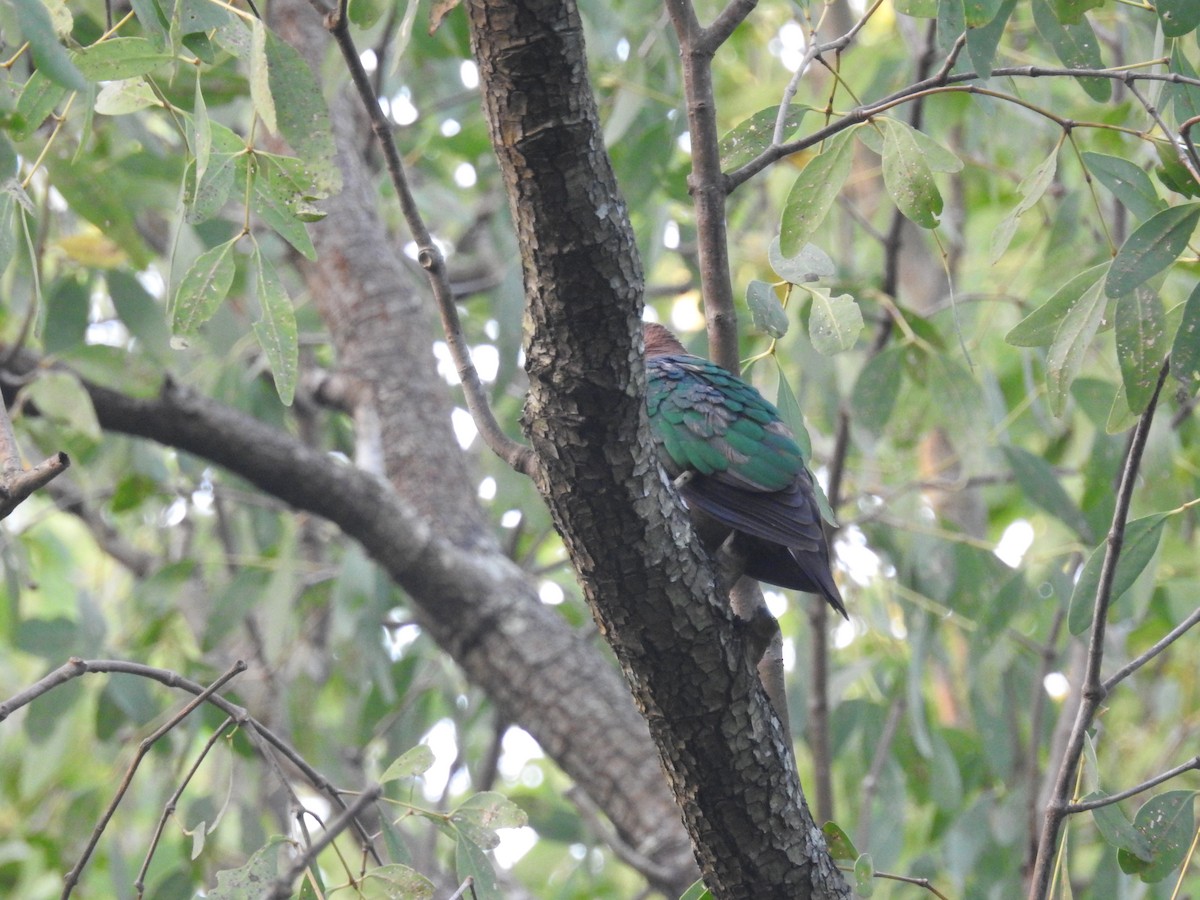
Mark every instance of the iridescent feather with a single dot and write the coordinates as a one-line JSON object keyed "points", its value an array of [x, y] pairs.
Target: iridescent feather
{"points": [[747, 473]]}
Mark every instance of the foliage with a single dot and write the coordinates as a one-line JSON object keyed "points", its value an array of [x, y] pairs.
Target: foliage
{"points": [[977, 284]]}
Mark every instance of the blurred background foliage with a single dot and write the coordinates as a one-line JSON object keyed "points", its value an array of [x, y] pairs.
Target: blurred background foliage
{"points": [[972, 494]]}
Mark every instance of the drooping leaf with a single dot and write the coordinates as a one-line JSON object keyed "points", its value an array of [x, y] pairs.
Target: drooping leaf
{"points": [[792, 415], [1076, 47], [38, 99], [1185, 352], [1031, 189], [1141, 542], [276, 330], [1127, 182], [1183, 97], [120, 98], [481, 814], [1117, 829], [983, 41], [813, 194], [301, 116], [835, 322], [202, 288], [1039, 328], [1142, 344], [51, 56], [470, 861], [1071, 343], [766, 311], [907, 175], [1070, 12], [810, 264], [875, 391], [1043, 488], [864, 876], [1168, 823]]}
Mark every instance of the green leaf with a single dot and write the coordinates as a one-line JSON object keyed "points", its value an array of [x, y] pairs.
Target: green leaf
{"points": [[1071, 343], [1184, 98], [50, 639], [835, 322], [51, 57], [260, 78], [1141, 541], [1173, 174], [875, 391], [119, 58], [1178, 17], [300, 114], [471, 862], [1031, 189], [254, 878], [982, 42], [813, 193], [792, 415], [1185, 352], [1142, 344], [1076, 47], [202, 289], [1167, 822], [201, 132], [276, 330], [749, 138], [1117, 830], [395, 882], [1126, 182], [1039, 328], [120, 98], [115, 368], [766, 311], [839, 843], [414, 761], [1070, 12], [810, 264], [696, 892], [1153, 246], [281, 203], [864, 876], [907, 175], [38, 99], [980, 12], [1041, 486], [921, 9], [481, 814], [205, 197], [61, 398]]}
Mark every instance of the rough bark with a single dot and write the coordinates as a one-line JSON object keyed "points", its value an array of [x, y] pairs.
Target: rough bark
{"points": [[651, 587]]}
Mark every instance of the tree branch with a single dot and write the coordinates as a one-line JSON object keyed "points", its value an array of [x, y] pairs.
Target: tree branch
{"points": [[1092, 690], [1085, 805], [430, 256]]}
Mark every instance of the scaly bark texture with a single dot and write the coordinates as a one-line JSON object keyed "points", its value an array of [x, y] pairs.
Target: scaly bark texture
{"points": [[557, 685], [650, 585]]}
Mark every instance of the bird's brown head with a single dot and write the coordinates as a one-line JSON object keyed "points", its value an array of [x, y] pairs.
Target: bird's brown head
{"points": [[660, 341]]}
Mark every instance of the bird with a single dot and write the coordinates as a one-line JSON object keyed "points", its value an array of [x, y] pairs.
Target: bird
{"points": [[737, 467]]}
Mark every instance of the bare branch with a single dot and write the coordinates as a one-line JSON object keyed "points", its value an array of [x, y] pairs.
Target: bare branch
{"points": [[1092, 691], [72, 877], [1166, 641], [429, 255], [282, 888], [1085, 805]]}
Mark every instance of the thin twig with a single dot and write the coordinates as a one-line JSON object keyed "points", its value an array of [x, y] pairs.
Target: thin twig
{"points": [[429, 255], [282, 888], [467, 885], [139, 884], [1179, 146], [1138, 661], [1092, 690], [72, 877], [1085, 805], [254, 730], [17, 482]]}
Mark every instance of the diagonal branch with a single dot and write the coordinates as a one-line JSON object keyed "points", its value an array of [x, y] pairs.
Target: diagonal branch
{"points": [[1092, 691]]}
